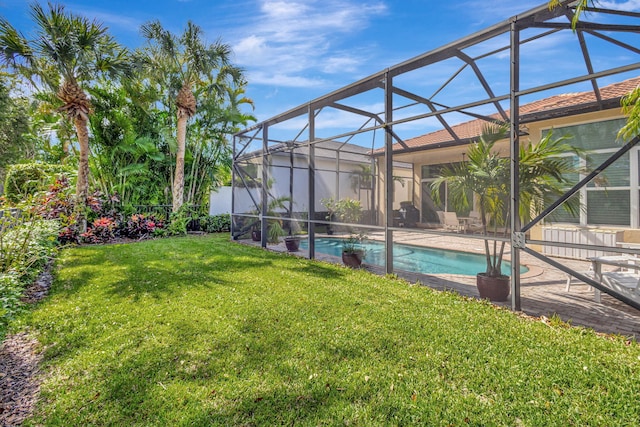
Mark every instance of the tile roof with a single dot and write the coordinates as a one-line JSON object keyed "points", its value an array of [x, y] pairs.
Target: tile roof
{"points": [[554, 106]]}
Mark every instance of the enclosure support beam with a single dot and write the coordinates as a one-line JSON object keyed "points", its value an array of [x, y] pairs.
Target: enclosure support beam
{"points": [[311, 227], [515, 167], [233, 183], [388, 170], [264, 192]]}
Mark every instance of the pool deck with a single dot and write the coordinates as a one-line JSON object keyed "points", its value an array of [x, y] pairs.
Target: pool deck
{"points": [[543, 289]]}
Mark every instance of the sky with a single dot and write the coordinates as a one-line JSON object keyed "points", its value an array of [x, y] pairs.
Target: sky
{"points": [[294, 51]]}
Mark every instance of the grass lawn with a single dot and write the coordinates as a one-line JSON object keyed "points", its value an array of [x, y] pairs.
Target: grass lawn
{"points": [[202, 331]]}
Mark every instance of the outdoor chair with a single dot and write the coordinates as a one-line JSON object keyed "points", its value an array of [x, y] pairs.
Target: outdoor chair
{"points": [[590, 274], [452, 222], [620, 279], [624, 282], [475, 224]]}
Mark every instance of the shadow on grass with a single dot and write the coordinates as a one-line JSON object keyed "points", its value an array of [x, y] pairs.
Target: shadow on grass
{"points": [[322, 271], [157, 268], [159, 381], [231, 382]]}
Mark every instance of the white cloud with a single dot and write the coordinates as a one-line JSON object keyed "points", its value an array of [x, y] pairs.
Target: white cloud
{"points": [[292, 43], [111, 20], [281, 79], [340, 64], [628, 5]]}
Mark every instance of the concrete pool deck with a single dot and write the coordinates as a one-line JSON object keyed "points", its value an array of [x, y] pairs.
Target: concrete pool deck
{"points": [[543, 288]]}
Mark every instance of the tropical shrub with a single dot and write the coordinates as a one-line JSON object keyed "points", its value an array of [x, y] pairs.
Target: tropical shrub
{"points": [[102, 230], [140, 226], [26, 245], [58, 203], [178, 223], [27, 179], [485, 179], [10, 292], [215, 223]]}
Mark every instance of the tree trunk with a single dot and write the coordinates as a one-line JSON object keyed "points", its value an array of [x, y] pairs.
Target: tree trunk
{"points": [[178, 180], [82, 185]]}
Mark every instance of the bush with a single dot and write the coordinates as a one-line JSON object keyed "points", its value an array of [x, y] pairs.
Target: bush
{"points": [[26, 244], [178, 223], [27, 179], [101, 231], [58, 203], [141, 226], [10, 292], [216, 223]]}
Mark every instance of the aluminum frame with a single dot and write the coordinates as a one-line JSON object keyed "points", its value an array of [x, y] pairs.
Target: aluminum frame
{"points": [[549, 22]]}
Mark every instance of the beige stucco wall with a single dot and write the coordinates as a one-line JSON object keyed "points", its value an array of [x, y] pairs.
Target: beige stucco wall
{"points": [[455, 154], [402, 192]]}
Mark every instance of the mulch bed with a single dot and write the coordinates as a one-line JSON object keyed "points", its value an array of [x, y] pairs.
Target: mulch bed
{"points": [[19, 364]]}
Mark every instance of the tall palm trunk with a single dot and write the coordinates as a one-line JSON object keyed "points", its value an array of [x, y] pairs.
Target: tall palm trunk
{"points": [[77, 107], [178, 178], [186, 109], [82, 186]]}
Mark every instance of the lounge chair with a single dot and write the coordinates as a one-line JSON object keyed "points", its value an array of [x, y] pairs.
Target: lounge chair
{"points": [[624, 282], [475, 224], [452, 222]]}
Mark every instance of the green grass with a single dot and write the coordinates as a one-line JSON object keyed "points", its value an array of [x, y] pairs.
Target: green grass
{"points": [[202, 331]]}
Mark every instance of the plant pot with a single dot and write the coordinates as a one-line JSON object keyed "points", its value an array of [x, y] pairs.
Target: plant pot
{"points": [[493, 288], [256, 235], [329, 231], [292, 243], [352, 259]]}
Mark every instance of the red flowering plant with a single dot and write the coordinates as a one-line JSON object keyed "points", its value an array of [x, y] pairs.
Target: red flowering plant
{"points": [[141, 226], [101, 231], [58, 203]]}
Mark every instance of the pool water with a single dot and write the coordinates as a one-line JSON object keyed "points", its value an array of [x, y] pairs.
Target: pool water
{"points": [[416, 259]]}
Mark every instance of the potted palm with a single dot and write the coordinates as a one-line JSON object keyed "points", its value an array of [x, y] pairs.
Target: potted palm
{"points": [[350, 211], [292, 240], [485, 177], [330, 204], [274, 226], [256, 233]]}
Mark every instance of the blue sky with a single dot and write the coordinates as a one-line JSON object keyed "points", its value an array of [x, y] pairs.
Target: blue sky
{"points": [[296, 50]]}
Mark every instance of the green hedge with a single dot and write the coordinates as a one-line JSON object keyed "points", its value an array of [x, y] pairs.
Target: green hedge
{"points": [[216, 223], [29, 178], [25, 247]]}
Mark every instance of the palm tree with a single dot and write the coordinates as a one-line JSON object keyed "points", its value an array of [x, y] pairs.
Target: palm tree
{"points": [[543, 176], [187, 67], [631, 102], [210, 163], [67, 52]]}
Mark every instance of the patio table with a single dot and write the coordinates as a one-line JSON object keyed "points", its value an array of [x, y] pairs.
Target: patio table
{"points": [[620, 261]]}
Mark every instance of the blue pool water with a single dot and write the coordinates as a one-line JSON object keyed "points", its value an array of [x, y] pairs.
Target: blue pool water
{"points": [[415, 258]]}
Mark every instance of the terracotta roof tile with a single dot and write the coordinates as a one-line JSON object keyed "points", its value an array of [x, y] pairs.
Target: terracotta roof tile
{"points": [[473, 129]]}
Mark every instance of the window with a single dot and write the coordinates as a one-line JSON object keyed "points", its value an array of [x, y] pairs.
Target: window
{"points": [[429, 206], [607, 199]]}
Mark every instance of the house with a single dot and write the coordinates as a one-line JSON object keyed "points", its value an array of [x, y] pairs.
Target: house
{"points": [[342, 170], [611, 206]]}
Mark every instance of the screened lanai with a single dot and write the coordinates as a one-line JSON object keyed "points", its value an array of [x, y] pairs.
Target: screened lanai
{"points": [[382, 141]]}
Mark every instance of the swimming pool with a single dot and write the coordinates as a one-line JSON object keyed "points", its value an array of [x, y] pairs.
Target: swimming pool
{"points": [[416, 259]]}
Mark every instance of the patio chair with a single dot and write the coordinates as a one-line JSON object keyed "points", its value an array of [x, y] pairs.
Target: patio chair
{"points": [[624, 282], [475, 225], [451, 222], [590, 274]]}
